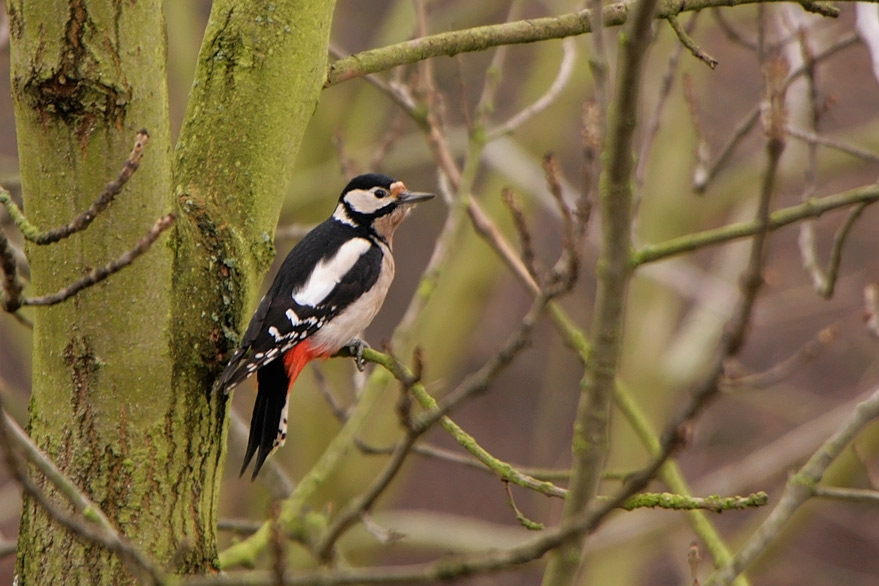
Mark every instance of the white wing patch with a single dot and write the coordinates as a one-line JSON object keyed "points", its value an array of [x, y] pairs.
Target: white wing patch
{"points": [[328, 273]]}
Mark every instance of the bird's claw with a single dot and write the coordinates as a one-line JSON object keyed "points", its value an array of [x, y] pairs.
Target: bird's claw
{"points": [[355, 348]]}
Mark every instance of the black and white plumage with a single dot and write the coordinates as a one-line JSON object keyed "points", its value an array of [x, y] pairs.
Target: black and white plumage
{"points": [[328, 289]]}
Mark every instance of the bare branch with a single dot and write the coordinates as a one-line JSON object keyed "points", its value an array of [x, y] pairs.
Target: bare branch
{"points": [[688, 42], [99, 274], [82, 221], [799, 488], [785, 368], [566, 70], [825, 141], [652, 127], [521, 224], [700, 184], [814, 208], [851, 495]]}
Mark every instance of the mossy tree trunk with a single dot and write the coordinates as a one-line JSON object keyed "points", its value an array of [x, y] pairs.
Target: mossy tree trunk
{"points": [[121, 372]]}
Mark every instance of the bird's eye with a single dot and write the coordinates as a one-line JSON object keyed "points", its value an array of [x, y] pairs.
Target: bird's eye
{"points": [[380, 193]]}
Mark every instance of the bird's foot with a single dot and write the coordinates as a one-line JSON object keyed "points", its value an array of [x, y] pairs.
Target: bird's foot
{"points": [[354, 348]]}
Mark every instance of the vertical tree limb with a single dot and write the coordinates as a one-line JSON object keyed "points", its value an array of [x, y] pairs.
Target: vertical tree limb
{"points": [[613, 273]]}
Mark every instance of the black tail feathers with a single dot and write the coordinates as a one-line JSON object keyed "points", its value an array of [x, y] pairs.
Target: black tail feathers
{"points": [[266, 429]]}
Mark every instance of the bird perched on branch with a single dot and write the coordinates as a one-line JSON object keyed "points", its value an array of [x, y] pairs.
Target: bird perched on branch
{"points": [[329, 288]]}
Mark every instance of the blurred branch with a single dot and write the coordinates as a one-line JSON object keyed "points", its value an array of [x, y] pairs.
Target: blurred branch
{"points": [[799, 488], [293, 231], [788, 366], [566, 70], [652, 127], [851, 495], [82, 221], [511, 33], [7, 547], [813, 208], [831, 143], [871, 308], [700, 183]]}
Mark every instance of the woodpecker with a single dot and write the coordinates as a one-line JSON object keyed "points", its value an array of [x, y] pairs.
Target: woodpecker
{"points": [[329, 288]]}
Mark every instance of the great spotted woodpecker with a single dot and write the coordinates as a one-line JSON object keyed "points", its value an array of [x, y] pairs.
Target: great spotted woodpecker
{"points": [[329, 288]]}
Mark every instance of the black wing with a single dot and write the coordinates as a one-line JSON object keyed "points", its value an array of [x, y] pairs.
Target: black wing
{"points": [[279, 322]]}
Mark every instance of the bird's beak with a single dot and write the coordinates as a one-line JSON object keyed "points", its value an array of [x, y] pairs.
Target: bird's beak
{"points": [[410, 197]]}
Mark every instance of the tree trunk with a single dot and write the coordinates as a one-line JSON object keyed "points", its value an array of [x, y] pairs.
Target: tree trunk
{"points": [[121, 373], [86, 75]]}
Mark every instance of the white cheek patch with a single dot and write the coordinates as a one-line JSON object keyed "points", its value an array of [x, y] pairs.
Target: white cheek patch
{"points": [[365, 202], [329, 272]]}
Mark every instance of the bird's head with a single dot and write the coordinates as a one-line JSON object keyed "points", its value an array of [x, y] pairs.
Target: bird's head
{"points": [[376, 201]]}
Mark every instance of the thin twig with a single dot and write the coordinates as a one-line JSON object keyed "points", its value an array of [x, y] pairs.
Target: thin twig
{"points": [[688, 42], [703, 150], [814, 208], [731, 33], [747, 123], [836, 251], [521, 518], [521, 224], [99, 274], [806, 241], [487, 229], [652, 127], [565, 72], [852, 495], [785, 368], [831, 143], [82, 221], [799, 488]]}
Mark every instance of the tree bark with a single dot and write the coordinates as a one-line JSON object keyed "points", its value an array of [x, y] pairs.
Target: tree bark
{"points": [[122, 372], [86, 75]]}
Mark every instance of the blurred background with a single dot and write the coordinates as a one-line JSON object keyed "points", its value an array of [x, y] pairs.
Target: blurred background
{"points": [[747, 441]]}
